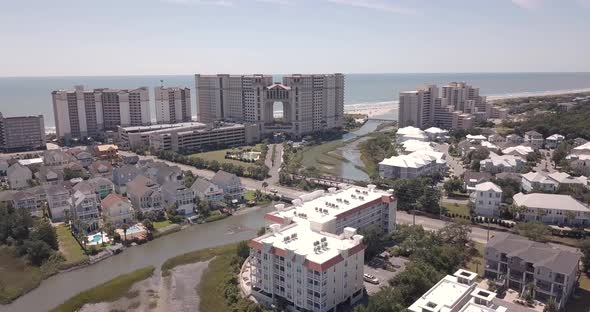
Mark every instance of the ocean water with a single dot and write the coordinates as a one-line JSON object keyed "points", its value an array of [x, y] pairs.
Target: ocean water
{"points": [[32, 95]]}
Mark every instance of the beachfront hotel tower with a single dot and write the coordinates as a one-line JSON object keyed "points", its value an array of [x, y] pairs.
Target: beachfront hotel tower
{"points": [[173, 104], [80, 113], [309, 103]]}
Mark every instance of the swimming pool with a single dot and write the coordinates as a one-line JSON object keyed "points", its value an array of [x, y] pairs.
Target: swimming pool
{"points": [[96, 238], [134, 229]]}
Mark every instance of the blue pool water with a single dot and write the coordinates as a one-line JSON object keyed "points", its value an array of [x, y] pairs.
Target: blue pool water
{"points": [[134, 229], [96, 238]]}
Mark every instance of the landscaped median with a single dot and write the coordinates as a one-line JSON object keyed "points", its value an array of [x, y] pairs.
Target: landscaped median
{"points": [[107, 292]]}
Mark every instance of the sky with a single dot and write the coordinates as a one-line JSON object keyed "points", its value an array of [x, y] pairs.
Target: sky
{"points": [[168, 37]]}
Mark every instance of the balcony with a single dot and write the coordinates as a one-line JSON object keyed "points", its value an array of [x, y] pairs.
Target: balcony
{"points": [[516, 275]]}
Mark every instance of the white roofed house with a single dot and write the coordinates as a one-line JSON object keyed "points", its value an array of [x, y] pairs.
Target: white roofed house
{"points": [[537, 181], [145, 194], [496, 139], [520, 150], [436, 134], [85, 214], [554, 140], [19, 176], [473, 178], [205, 190], [58, 201], [117, 210], [182, 197], [410, 133], [504, 163], [553, 209], [230, 184], [566, 180], [487, 198], [416, 164], [476, 138]]}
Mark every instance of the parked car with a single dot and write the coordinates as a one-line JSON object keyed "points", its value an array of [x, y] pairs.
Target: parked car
{"points": [[273, 190], [370, 279]]}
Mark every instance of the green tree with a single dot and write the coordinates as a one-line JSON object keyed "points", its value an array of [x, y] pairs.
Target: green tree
{"points": [[453, 185], [536, 231], [373, 240], [585, 248], [37, 251], [44, 231]]}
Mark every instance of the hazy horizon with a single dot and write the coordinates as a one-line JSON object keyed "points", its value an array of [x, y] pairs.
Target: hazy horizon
{"points": [[64, 38]]}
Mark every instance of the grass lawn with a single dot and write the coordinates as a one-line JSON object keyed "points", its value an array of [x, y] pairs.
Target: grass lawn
{"points": [[460, 209], [219, 155], [250, 195], [16, 276], [70, 248], [107, 292], [476, 262], [161, 224], [323, 157], [581, 299]]}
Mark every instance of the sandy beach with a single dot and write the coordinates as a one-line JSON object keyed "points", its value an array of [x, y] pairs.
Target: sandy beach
{"points": [[177, 292]]}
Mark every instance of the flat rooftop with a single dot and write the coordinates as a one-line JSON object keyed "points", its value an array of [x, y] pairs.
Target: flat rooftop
{"points": [[442, 296], [163, 127], [321, 207], [317, 247]]}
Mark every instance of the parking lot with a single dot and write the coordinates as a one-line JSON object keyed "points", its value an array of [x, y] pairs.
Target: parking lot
{"points": [[375, 268]]}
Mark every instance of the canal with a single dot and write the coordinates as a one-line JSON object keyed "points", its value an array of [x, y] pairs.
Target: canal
{"points": [[61, 287]]}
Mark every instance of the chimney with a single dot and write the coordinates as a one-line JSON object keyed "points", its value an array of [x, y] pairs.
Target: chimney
{"points": [[275, 228]]}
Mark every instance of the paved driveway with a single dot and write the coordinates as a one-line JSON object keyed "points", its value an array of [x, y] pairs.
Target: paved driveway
{"points": [[383, 275]]}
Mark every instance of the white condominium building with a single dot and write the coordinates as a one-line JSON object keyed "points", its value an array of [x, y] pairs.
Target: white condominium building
{"points": [[457, 107], [311, 270], [87, 113], [416, 164], [172, 104], [457, 292], [487, 198], [309, 103], [331, 212], [188, 136]]}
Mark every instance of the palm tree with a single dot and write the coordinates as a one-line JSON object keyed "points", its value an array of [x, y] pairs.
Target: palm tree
{"points": [[264, 185], [517, 210], [477, 263], [529, 292], [125, 227], [551, 306]]}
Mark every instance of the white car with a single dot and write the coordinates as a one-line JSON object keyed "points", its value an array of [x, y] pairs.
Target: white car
{"points": [[370, 279]]}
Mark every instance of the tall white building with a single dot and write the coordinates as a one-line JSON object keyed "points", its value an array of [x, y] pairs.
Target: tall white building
{"points": [[87, 113], [308, 103], [173, 104], [455, 106]]}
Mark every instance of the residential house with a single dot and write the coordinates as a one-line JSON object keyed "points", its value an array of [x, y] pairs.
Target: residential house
{"points": [[475, 138], [487, 198], [410, 133], [534, 138], [123, 175], [27, 200], [472, 178], [182, 197], [566, 180], [230, 184], [537, 181], [58, 201], [504, 163], [519, 150], [496, 139], [145, 194], [102, 186], [105, 151], [517, 261], [579, 142], [552, 209], [509, 176], [50, 176], [85, 214], [436, 134], [416, 164], [19, 176], [457, 292], [205, 190], [514, 139], [554, 140], [117, 210], [130, 160], [160, 172], [56, 158], [581, 166], [101, 169], [85, 159]]}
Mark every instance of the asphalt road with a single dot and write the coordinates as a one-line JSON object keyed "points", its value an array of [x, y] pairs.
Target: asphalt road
{"points": [[451, 161]]}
